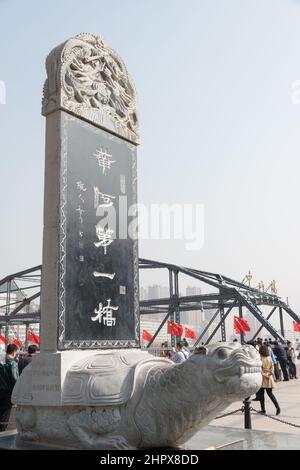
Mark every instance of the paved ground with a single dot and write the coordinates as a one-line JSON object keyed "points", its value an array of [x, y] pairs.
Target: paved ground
{"points": [[288, 396], [225, 438]]}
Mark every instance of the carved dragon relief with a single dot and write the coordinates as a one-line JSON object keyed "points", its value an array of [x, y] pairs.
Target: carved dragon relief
{"points": [[90, 80]]}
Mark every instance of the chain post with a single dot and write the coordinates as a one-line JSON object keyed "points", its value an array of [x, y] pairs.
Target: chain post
{"points": [[247, 413]]}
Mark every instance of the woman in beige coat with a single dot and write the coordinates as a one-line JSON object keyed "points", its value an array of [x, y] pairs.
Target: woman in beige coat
{"points": [[268, 382]]}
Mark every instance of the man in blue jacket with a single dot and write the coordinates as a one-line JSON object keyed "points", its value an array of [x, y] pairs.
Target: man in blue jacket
{"points": [[280, 353]]}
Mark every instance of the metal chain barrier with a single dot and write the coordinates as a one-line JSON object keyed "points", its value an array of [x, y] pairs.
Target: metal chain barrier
{"points": [[242, 410], [277, 419], [230, 413]]}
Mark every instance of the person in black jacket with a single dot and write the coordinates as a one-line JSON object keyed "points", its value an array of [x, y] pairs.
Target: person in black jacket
{"points": [[9, 374], [25, 359]]}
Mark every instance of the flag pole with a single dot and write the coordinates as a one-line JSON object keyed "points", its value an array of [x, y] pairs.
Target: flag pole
{"points": [[242, 336]]}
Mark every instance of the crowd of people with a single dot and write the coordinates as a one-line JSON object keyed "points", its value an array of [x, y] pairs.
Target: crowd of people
{"points": [[278, 363], [283, 356], [11, 367]]}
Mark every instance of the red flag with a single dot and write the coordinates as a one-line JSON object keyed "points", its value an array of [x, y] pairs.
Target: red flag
{"points": [[237, 326], [189, 333], [245, 324], [146, 335], [3, 339], [240, 325], [296, 326], [175, 329], [17, 342], [32, 338]]}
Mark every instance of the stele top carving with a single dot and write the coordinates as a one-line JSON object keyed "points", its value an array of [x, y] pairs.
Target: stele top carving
{"points": [[90, 80]]}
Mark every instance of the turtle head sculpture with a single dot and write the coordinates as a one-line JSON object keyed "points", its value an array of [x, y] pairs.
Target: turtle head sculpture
{"points": [[186, 397], [128, 399], [232, 369]]}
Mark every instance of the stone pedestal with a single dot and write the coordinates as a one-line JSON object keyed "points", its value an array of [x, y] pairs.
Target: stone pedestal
{"points": [[42, 383]]}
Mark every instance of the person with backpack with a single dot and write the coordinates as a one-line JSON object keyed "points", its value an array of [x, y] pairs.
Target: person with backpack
{"points": [[8, 376]]}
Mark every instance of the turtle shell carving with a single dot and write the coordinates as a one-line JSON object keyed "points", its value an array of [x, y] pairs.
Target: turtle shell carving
{"points": [[102, 379]]}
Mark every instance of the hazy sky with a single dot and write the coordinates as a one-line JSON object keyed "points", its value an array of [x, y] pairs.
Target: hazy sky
{"points": [[218, 125]]}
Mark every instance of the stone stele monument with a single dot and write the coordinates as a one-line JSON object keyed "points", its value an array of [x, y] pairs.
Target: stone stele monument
{"points": [[92, 387]]}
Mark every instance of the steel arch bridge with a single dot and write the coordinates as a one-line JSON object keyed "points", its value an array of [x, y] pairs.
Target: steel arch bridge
{"points": [[18, 292]]}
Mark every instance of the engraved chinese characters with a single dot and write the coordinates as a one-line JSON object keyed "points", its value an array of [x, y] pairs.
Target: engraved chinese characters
{"points": [[99, 267], [105, 314], [105, 236], [104, 159]]}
